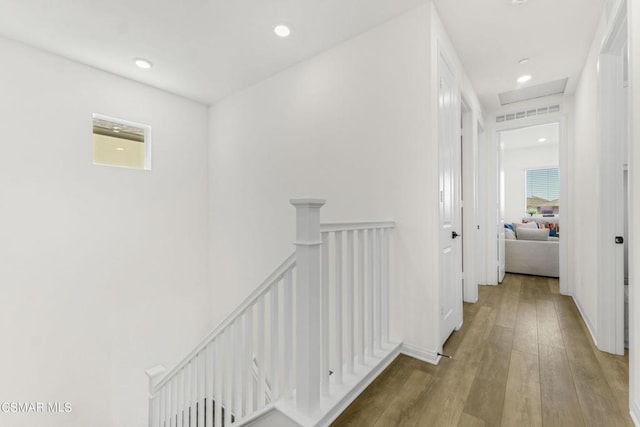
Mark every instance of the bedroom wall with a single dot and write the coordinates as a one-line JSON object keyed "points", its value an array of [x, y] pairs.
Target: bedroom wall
{"points": [[103, 271], [516, 162]]}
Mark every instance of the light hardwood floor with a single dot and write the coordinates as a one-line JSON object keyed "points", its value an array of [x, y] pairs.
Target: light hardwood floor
{"points": [[523, 357]]}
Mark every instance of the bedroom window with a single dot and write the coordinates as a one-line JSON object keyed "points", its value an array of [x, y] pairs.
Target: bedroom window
{"points": [[122, 143], [543, 190]]}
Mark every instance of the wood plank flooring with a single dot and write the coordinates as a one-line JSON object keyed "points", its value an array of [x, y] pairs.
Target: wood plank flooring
{"points": [[523, 357]]}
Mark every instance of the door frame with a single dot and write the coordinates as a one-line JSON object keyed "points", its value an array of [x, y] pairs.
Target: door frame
{"points": [[456, 220], [613, 122], [470, 225], [560, 117]]}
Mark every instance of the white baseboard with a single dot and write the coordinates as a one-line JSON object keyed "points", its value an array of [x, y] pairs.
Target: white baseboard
{"points": [[356, 391], [342, 395], [634, 412], [586, 320], [420, 353]]}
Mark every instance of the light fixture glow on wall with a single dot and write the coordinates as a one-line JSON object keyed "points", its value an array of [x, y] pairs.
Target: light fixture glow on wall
{"points": [[282, 30], [143, 63], [542, 140], [524, 79]]}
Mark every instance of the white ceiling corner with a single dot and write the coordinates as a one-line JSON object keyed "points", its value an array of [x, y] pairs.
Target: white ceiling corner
{"points": [[207, 49], [201, 49], [491, 36]]}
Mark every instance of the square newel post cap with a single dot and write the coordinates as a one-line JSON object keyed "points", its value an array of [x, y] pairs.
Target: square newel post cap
{"points": [[307, 202], [155, 374]]}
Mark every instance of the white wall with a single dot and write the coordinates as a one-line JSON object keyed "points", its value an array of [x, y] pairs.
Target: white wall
{"points": [[103, 270], [516, 162], [351, 125], [634, 203], [583, 184]]}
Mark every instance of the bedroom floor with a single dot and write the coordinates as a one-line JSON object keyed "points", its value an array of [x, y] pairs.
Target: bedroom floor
{"points": [[523, 357]]}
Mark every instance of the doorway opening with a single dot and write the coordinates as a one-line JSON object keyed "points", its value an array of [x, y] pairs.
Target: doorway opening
{"points": [[529, 229]]}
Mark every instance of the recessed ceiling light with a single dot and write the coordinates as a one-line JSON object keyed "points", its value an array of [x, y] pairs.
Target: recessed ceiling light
{"points": [[542, 140], [524, 79], [119, 149], [523, 61], [143, 63], [282, 31]]}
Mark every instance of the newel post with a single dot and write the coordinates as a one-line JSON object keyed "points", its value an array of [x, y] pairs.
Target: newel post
{"points": [[308, 243], [154, 374]]}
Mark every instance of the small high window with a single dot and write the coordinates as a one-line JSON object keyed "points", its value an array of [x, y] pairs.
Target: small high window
{"points": [[121, 143]]}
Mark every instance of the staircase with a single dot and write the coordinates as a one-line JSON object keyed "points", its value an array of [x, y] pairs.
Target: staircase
{"points": [[305, 343]]}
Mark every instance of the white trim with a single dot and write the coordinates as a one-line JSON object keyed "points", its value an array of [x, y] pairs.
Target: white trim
{"points": [[610, 290], [356, 225], [420, 353], [341, 395], [147, 139], [586, 319], [259, 414], [634, 413], [357, 390], [560, 117], [259, 291], [469, 179]]}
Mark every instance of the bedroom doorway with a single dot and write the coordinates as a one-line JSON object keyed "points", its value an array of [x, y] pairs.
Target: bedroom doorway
{"points": [[529, 199]]}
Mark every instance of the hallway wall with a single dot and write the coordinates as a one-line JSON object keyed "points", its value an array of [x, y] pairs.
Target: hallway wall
{"points": [[583, 182], [101, 267], [634, 202], [352, 125]]}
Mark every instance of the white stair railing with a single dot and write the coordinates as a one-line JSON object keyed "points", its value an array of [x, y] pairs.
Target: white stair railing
{"points": [[355, 303], [324, 309]]}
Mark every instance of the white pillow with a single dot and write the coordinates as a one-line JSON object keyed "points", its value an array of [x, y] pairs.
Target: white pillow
{"points": [[525, 233], [509, 234], [525, 225]]}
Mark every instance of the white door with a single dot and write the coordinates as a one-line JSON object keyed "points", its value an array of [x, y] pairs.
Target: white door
{"points": [[449, 165]]}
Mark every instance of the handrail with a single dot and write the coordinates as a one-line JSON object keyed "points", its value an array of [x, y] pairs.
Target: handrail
{"points": [[251, 299], [249, 361], [274, 277], [355, 225]]}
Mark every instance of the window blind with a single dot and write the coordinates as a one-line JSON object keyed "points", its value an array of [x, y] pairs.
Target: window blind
{"points": [[543, 183]]}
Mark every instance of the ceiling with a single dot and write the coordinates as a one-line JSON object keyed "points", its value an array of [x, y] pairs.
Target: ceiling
{"points": [[207, 49], [491, 36], [201, 49], [530, 137]]}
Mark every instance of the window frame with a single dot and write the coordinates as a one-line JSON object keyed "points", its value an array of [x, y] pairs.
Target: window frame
{"points": [[147, 139]]}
